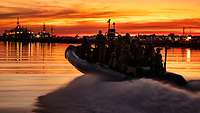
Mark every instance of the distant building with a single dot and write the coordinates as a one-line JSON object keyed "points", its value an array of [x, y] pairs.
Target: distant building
{"points": [[18, 33], [44, 34]]}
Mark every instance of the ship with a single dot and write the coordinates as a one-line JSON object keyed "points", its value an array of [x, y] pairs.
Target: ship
{"points": [[19, 33]]}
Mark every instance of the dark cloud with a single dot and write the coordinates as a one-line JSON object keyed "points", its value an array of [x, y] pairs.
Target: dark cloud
{"points": [[52, 12], [172, 24], [167, 27], [13, 12], [90, 27]]}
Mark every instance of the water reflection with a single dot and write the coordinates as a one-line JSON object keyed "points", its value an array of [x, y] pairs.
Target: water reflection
{"points": [[184, 61], [188, 55], [29, 70], [14, 55], [47, 58]]}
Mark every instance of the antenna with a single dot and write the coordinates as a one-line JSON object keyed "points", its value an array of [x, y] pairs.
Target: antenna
{"points": [[113, 25], [44, 27], [52, 30], [183, 31], [17, 21], [109, 23]]}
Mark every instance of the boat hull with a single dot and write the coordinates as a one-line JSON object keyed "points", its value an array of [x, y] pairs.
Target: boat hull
{"points": [[91, 68], [86, 67]]}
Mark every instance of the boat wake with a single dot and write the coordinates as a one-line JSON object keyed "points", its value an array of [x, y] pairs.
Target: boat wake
{"points": [[91, 94]]}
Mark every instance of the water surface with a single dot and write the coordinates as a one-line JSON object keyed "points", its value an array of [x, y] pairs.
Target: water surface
{"points": [[184, 61], [29, 70]]}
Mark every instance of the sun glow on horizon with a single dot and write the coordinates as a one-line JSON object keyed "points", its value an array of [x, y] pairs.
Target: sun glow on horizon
{"points": [[87, 16]]}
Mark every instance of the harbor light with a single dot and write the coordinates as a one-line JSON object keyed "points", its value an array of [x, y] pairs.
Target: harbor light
{"points": [[188, 38], [37, 36]]}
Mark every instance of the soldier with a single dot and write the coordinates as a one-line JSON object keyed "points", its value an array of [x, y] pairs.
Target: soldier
{"points": [[100, 43], [158, 62]]}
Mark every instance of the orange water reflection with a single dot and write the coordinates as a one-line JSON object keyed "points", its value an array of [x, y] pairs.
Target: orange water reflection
{"points": [[34, 58], [46, 58], [184, 61], [29, 70]]}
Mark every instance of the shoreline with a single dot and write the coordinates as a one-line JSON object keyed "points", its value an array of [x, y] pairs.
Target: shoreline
{"points": [[79, 41]]}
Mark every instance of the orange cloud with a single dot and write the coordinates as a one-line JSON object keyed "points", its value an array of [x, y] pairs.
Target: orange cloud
{"points": [[87, 16], [91, 27]]}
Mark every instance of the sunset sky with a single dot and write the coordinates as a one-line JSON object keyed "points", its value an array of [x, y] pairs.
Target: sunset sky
{"points": [[70, 17]]}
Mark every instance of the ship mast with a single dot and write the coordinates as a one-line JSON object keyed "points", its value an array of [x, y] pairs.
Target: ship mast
{"points": [[44, 28], [17, 21], [18, 26], [109, 23]]}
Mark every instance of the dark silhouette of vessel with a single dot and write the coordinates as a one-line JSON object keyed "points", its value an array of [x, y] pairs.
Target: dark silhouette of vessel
{"points": [[93, 60], [86, 67]]}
